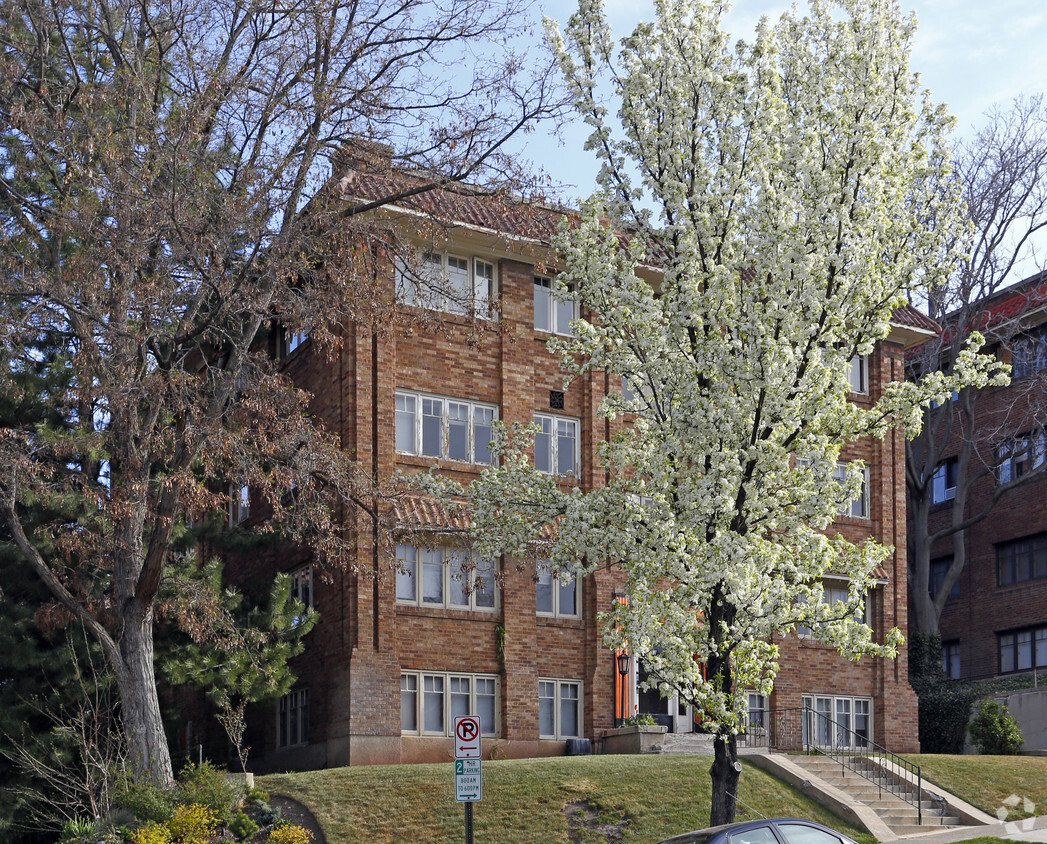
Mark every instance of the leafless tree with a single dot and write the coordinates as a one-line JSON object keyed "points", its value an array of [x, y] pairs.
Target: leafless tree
{"points": [[963, 443], [165, 194]]}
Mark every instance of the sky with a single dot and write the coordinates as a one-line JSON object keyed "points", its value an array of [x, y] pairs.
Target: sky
{"points": [[971, 54]]}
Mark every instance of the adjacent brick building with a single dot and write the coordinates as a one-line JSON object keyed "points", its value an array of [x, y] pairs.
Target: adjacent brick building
{"points": [[397, 653], [995, 619]]}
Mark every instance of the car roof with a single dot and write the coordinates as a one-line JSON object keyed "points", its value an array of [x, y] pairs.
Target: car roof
{"points": [[708, 834]]}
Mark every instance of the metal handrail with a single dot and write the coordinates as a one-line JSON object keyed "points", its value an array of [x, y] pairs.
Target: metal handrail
{"points": [[818, 732]]}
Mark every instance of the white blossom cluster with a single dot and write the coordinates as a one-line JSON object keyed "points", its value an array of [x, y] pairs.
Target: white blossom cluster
{"points": [[764, 210]]}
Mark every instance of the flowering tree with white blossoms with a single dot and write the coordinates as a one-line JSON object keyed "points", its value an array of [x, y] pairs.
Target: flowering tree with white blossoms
{"points": [[789, 193]]}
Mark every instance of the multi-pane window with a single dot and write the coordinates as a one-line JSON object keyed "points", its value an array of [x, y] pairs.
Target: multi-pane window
{"points": [[550, 313], [429, 702], [554, 596], [302, 589], [936, 577], [831, 594], [559, 709], [858, 507], [858, 374], [757, 709], [435, 426], [293, 719], [943, 482], [1022, 650], [444, 577], [453, 283], [1020, 456], [837, 721], [239, 503], [1021, 559], [1029, 352], [951, 659], [556, 445]]}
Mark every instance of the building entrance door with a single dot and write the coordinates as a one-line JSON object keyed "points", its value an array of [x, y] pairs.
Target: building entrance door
{"points": [[670, 712]]}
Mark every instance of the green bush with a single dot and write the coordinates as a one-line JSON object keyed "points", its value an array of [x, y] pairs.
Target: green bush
{"points": [[148, 803], [265, 814], [945, 706], [254, 794], [76, 829], [242, 826], [640, 721], [995, 731], [206, 785]]}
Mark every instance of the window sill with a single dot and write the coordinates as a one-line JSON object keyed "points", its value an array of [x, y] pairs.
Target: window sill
{"points": [[449, 316], [485, 614], [573, 623], [443, 463]]}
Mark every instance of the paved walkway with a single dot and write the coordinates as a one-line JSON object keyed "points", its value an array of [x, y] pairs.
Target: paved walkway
{"points": [[1030, 829]]}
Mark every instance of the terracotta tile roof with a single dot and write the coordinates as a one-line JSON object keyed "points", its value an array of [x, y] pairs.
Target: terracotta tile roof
{"points": [[908, 316], [498, 212], [419, 513], [1012, 302]]}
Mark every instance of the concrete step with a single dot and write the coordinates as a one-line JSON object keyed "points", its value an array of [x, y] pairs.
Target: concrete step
{"points": [[893, 818], [913, 829]]}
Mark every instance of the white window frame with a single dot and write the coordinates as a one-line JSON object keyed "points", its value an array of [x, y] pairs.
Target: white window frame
{"points": [[239, 504], [292, 719], [558, 685], [545, 573], [756, 710], [481, 278], [415, 419], [858, 508], [831, 706], [558, 310], [858, 374], [445, 679], [554, 442], [833, 591], [862, 502], [943, 487], [411, 563]]}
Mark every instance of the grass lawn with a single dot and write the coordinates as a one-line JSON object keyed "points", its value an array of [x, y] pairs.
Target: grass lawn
{"points": [[648, 798], [986, 781]]}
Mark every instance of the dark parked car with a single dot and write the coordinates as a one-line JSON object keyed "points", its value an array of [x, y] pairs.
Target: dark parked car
{"points": [[768, 831]]}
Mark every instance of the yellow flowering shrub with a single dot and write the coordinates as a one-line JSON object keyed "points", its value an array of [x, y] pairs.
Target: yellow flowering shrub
{"points": [[152, 833], [290, 834], [193, 824]]}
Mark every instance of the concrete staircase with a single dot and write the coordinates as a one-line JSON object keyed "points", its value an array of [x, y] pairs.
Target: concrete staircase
{"points": [[899, 815]]}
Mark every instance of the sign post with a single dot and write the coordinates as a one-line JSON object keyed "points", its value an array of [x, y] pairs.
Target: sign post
{"points": [[468, 776]]}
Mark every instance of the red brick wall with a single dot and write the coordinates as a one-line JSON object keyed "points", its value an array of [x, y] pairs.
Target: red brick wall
{"points": [[355, 654]]}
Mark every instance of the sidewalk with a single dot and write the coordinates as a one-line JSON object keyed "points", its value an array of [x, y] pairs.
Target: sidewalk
{"points": [[1030, 829]]}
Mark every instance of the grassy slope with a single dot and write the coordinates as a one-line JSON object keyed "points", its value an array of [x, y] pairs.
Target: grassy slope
{"points": [[986, 781], [524, 799]]}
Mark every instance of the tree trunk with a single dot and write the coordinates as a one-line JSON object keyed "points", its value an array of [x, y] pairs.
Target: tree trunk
{"points": [[724, 774], [139, 705]]}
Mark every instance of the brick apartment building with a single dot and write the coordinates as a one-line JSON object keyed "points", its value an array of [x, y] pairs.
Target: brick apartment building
{"points": [[396, 654], [995, 619]]}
